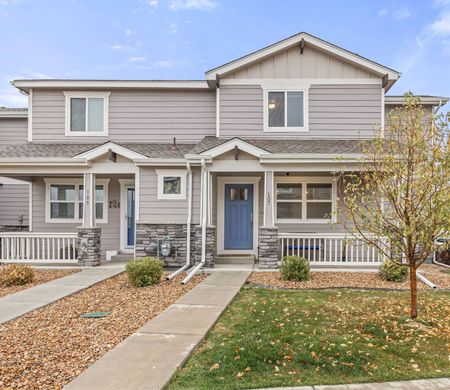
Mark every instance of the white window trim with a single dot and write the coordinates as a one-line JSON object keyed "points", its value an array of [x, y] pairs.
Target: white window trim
{"points": [[162, 173], [304, 181], [86, 95], [76, 183], [285, 129]]}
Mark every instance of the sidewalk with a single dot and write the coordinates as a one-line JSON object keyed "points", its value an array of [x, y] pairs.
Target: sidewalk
{"points": [[149, 357], [422, 384], [22, 302]]}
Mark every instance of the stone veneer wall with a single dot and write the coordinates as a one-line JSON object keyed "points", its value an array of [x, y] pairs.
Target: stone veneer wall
{"points": [[148, 232], [210, 245], [88, 246], [269, 251]]}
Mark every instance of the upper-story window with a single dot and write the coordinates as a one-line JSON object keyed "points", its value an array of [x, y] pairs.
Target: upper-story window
{"points": [[87, 113], [285, 110]]}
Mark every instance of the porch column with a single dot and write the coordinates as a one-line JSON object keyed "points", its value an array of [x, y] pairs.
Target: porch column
{"points": [[89, 200], [89, 236], [268, 200], [268, 242]]}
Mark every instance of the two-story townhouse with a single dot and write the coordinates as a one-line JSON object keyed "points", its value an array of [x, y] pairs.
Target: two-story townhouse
{"points": [[242, 163], [14, 194]]}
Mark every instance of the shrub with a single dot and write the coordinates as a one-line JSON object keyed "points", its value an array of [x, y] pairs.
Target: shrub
{"points": [[16, 275], [295, 268], [144, 272], [393, 272]]}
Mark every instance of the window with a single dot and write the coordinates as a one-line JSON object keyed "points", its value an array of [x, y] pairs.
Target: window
{"points": [[238, 194], [65, 200], [87, 113], [285, 110], [304, 200], [171, 184]]}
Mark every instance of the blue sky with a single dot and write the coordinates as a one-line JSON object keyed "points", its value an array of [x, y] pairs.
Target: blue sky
{"points": [[181, 39]]}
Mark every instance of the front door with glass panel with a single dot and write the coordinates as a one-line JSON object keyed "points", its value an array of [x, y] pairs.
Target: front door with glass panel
{"points": [[238, 232], [130, 216]]}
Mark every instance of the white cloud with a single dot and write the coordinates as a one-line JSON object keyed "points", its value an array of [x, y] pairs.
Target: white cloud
{"points": [[128, 33], [117, 47], [173, 28], [152, 3], [382, 12], [136, 59], [402, 13], [202, 5], [441, 26]]}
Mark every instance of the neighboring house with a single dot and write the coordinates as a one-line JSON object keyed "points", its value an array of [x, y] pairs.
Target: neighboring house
{"points": [[14, 194], [241, 163]]}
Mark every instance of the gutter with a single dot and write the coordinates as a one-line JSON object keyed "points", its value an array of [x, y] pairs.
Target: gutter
{"points": [[188, 227], [424, 280], [204, 181], [44, 161]]}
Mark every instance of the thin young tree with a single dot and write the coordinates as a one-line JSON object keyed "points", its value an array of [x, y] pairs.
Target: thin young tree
{"points": [[401, 192]]}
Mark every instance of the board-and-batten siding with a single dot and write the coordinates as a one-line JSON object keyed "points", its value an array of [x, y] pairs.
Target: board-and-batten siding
{"points": [[110, 238], [134, 116], [13, 131], [154, 210], [291, 64], [335, 111], [14, 202]]}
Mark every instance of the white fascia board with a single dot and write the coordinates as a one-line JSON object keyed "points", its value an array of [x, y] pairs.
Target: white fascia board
{"points": [[103, 149], [144, 84], [160, 162], [427, 100], [295, 40], [44, 161], [14, 114]]}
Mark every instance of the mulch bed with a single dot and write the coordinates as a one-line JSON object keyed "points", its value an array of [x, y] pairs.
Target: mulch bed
{"points": [[41, 276], [368, 280], [47, 348]]}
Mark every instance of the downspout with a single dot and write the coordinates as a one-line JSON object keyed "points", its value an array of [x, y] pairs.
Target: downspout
{"points": [[424, 280], [204, 220], [188, 227]]}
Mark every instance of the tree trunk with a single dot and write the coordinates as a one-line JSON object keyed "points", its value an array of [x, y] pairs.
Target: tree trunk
{"points": [[413, 288]]}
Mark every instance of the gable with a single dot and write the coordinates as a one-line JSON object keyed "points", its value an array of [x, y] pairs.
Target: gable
{"points": [[291, 64], [320, 56]]}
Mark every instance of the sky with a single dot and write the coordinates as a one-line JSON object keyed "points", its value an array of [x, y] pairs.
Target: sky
{"points": [[181, 39]]}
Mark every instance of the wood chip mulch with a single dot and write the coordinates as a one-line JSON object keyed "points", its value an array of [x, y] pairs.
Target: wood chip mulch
{"points": [[47, 348], [368, 280], [41, 276]]}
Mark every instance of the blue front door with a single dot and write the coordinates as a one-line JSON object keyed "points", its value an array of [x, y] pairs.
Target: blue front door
{"points": [[238, 216], [130, 215]]}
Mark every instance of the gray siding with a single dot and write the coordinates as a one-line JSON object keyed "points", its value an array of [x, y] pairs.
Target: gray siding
{"points": [[153, 210], [13, 203], [335, 111], [110, 239], [290, 64], [13, 130], [143, 116]]}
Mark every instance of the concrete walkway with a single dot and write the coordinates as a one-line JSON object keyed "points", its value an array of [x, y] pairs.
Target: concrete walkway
{"points": [[423, 384], [148, 358], [22, 302]]}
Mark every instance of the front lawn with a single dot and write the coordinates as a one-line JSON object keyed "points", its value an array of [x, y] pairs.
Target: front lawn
{"points": [[270, 338]]}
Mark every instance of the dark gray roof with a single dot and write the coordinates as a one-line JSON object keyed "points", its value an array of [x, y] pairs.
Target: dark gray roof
{"points": [[31, 150], [13, 109], [289, 146]]}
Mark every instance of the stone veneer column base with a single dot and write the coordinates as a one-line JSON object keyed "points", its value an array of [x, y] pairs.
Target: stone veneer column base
{"points": [[269, 251], [147, 233], [210, 245], [88, 246]]}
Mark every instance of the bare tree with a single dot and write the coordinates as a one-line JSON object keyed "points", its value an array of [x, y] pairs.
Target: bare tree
{"points": [[402, 190]]}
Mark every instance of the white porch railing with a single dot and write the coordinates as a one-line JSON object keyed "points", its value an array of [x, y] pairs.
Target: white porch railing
{"points": [[38, 247], [330, 249]]}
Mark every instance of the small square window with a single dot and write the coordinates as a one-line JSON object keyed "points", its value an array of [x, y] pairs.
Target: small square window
{"points": [[171, 184], [285, 110]]}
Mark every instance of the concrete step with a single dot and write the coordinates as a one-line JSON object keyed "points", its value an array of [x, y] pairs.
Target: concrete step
{"points": [[120, 258], [234, 260]]}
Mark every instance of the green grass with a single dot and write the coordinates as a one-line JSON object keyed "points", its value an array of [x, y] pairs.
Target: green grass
{"points": [[272, 338]]}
